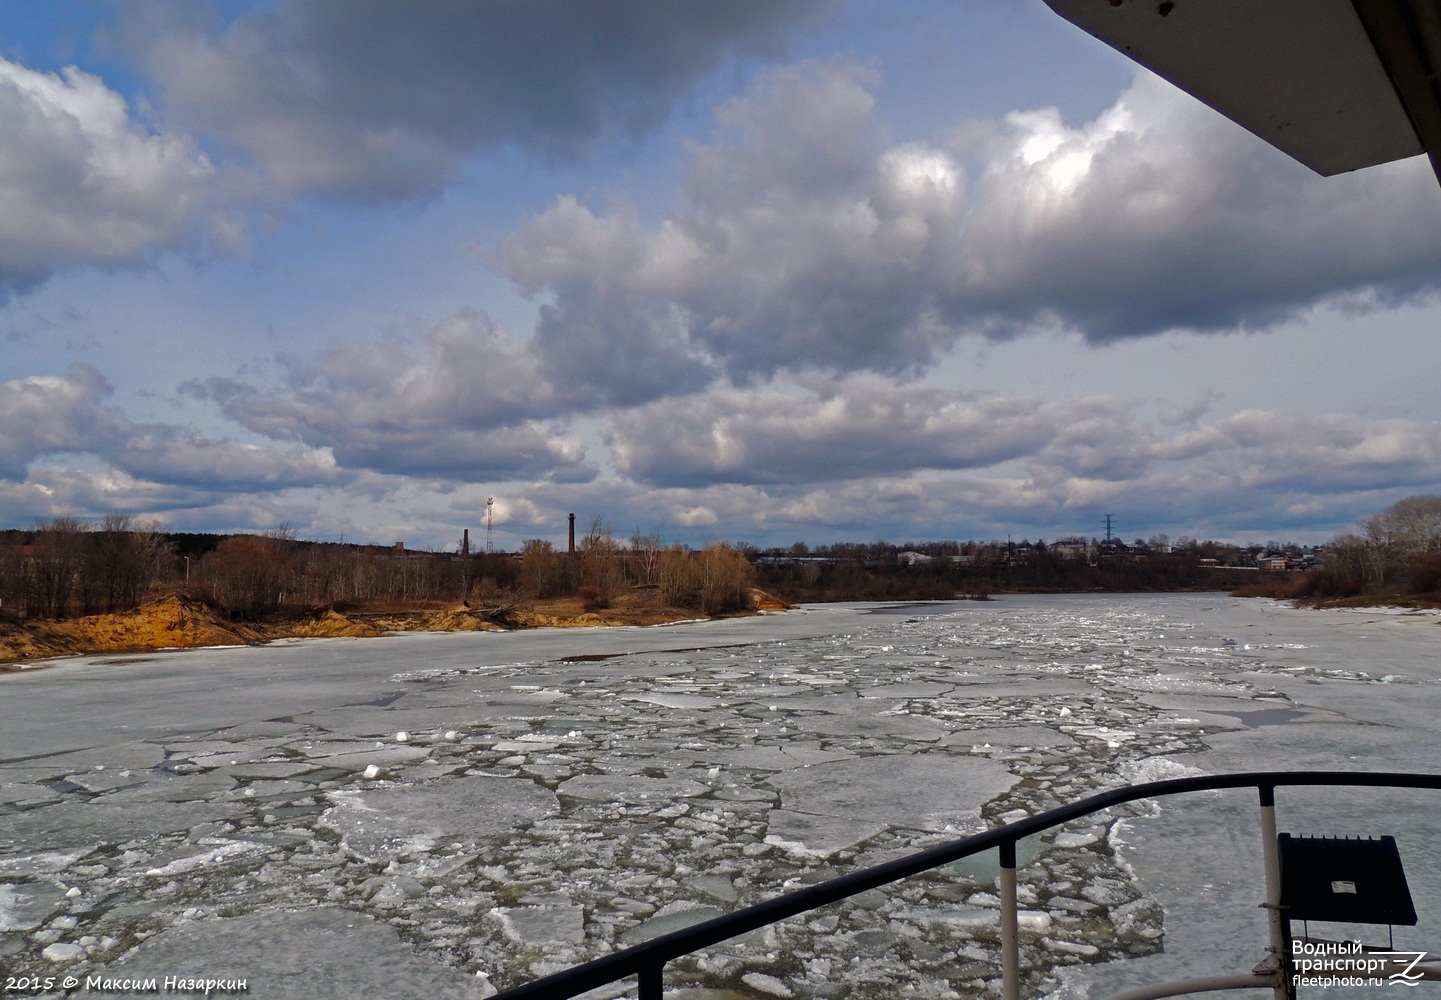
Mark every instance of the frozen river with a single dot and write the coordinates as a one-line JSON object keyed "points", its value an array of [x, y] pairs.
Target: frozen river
{"points": [[445, 815]]}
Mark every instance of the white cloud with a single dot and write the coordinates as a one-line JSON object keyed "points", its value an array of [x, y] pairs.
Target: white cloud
{"points": [[694, 517], [849, 429], [930, 462], [806, 242], [48, 415], [82, 182], [747, 365], [472, 404]]}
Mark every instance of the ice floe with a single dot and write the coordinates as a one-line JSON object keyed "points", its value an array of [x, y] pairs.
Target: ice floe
{"points": [[579, 793]]}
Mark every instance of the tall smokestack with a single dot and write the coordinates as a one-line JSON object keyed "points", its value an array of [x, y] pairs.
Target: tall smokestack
{"points": [[465, 545], [572, 535]]}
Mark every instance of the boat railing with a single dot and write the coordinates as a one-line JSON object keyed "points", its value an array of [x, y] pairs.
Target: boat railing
{"points": [[647, 961]]}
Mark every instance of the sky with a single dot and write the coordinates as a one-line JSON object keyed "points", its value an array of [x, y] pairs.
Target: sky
{"points": [[765, 271]]}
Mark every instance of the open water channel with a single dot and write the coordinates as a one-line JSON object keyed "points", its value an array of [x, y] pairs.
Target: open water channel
{"points": [[448, 815]]}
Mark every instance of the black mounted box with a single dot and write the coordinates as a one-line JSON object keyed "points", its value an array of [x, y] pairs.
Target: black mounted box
{"points": [[1352, 881]]}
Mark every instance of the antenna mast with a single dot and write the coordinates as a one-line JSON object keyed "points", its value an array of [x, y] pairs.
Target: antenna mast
{"points": [[489, 525], [1109, 519]]}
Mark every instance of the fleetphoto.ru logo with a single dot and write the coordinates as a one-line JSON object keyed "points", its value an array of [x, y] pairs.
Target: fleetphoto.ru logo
{"points": [[1347, 963]]}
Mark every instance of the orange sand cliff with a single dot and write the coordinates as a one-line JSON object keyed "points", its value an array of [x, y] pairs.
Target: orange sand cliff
{"points": [[176, 621]]}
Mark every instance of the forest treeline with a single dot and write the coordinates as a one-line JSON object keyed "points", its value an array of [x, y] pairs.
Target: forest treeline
{"points": [[69, 568], [1396, 555], [946, 570]]}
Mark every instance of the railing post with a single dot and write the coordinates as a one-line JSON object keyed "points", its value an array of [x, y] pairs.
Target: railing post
{"points": [[1010, 926], [1279, 925], [651, 980]]}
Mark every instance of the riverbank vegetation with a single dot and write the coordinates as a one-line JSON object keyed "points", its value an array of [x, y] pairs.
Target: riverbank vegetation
{"points": [[1393, 558], [69, 568], [72, 587], [974, 570], [122, 583]]}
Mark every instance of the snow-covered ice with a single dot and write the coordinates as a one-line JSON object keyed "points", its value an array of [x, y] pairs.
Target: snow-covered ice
{"points": [[445, 815]]}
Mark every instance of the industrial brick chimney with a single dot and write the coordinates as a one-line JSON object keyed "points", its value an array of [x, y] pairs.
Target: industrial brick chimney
{"points": [[572, 536]]}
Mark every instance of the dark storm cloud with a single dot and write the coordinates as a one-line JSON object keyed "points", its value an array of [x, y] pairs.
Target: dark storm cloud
{"points": [[804, 242], [376, 101]]}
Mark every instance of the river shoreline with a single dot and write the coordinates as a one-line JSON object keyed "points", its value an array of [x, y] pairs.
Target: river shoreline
{"points": [[174, 621]]}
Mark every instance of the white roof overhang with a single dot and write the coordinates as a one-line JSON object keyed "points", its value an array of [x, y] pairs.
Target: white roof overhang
{"points": [[1337, 84]]}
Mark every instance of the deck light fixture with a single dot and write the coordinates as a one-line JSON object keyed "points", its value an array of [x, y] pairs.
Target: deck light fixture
{"points": [[1353, 881]]}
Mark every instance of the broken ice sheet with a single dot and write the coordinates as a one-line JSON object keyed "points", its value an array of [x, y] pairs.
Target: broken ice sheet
{"points": [[1010, 736], [174, 788], [315, 954], [25, 906], [106, 781], [632, 790], [278, 789], [998, 674], [672, 917], [776, 758], [920, 689], [861, 796], [196, 857], [271, 769], [357, 757], [138, 756], [367, 720], [872, 724], [818, 836], [411, 819], [77, 824], [20, 793], [538, 925], [46, 862]]}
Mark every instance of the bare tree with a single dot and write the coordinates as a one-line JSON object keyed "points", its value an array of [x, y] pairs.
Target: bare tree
{"points": [[645, 552], [1347, 564], [1401, 535], [247, 574], [541, 572], [679, 582], [54, 567], [601, 571], [1379, 546], [715, 580], [1415, 525], [123, 559], [12, 583], [726, 578]]}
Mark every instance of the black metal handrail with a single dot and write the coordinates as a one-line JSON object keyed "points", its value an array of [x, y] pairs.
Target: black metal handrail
{"points": [[648, 959]]}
